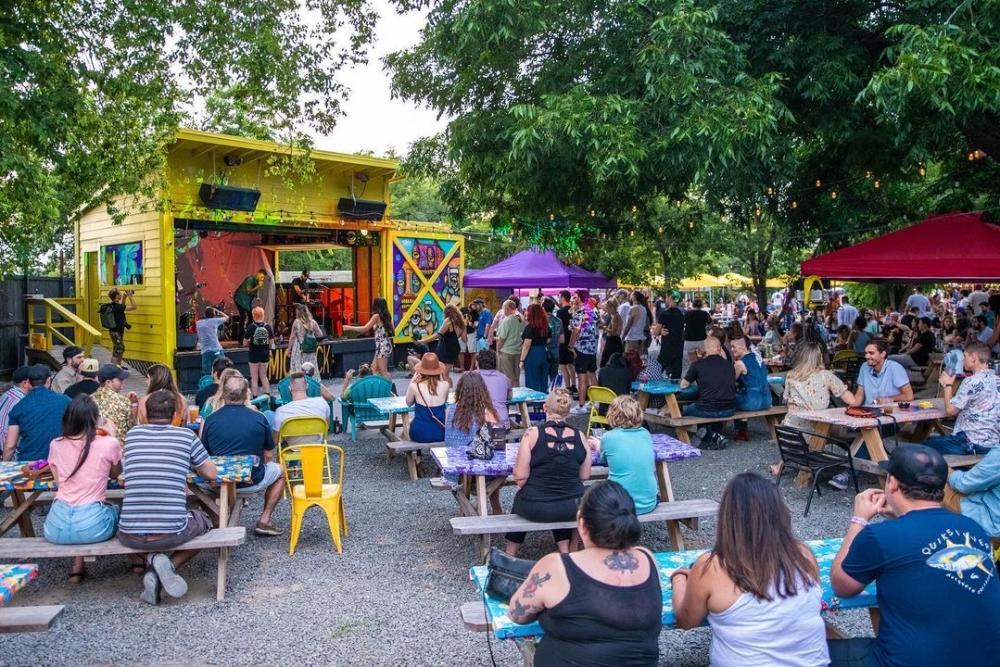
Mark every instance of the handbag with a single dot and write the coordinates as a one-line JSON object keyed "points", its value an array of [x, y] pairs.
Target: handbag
{"points": [[505, 574], [486, 441]]}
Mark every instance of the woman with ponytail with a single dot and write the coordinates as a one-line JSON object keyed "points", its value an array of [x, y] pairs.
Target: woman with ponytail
{"points": [[82, 461], [600, 606]]}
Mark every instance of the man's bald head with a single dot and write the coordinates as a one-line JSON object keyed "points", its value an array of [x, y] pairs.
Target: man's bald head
{"points": [[713, 345]]}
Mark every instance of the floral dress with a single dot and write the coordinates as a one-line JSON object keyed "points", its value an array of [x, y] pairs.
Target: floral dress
{"points": [[383, 344], [813, 393]]}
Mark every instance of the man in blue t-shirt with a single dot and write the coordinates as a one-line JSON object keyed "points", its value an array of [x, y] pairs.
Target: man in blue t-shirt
{"points": [[236, 430], [483, 321], [938, 594], [36, 420]]}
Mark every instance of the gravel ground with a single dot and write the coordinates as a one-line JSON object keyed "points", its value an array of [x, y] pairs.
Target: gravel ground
{"points": [[391, 598]]}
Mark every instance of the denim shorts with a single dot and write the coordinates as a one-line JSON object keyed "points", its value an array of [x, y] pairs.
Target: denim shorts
{"points": [[80, 524]]}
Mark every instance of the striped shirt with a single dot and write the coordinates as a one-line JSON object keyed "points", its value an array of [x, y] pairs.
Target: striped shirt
{"points": [[157, 460], [8, 400]]}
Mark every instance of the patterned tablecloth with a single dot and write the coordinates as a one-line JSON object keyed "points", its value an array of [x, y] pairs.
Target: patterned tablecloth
{"points": [[914, 413], [13, 578], [657, 387], [667, 562], [453, 461], [397, 404], [231, 469]]}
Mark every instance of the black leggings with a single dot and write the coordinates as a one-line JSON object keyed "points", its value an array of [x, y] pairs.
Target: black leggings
{"points": [[544, 511]]}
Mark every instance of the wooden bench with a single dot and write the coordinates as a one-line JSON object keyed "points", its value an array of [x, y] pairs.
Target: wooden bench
{"points": [[684, 511], [411, 450], [685, 425], [33, 548], [28, 619]]}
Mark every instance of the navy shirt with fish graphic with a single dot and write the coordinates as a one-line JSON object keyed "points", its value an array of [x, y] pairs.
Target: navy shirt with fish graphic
{"points": [[938, 594]]}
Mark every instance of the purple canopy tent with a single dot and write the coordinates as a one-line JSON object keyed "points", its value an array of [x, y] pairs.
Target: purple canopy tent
{"points": [[531, 268]]}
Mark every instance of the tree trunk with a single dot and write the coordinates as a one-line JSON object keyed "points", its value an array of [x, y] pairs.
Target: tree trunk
{"points": [[665, 267]]}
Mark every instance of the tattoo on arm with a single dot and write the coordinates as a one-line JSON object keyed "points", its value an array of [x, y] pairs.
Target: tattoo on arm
{"points": [[621, 561], [522, 614]]}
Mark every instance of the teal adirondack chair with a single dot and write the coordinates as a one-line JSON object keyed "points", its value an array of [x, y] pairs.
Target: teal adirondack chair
{"points": [[285, 393], [356, 410]]}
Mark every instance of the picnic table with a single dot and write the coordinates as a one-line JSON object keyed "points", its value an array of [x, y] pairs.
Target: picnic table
{"points": [[666, 562], [26, 492], [666, 388], [868, 428], [391, 406], [14, 577], [477, 472]]}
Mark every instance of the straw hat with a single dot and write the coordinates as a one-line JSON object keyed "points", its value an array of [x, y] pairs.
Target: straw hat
{"points": [[429, 365]]}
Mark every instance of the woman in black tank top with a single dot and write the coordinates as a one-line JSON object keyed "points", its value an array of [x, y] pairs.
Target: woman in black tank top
{"points": [[552, 463], [600, 607]]}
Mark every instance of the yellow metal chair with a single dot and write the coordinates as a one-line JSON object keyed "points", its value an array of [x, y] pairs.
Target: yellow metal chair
{"points": [[598, 396], [310, 480], [297, 427]]}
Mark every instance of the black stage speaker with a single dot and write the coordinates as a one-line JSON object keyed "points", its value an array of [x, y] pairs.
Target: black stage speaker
{"points": [[228, 197], [186, 341], [361, 209]]}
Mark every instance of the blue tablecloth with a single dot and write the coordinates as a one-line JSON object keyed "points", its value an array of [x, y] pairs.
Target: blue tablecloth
{"points": [[667, 562]]}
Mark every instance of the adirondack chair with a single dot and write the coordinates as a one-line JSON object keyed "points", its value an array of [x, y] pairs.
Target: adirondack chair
{"points": [[313, 389], [356, 409]]}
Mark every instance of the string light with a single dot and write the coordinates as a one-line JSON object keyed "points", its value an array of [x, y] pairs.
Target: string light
{"points": [[592, 213], [833, 194], [679, 202], [691, 224], [877, 184], [868, 175], [631, 232], [660, 229], [922, 170], [819, 183], [552, 216], [770, 191], [635, 208], [795, 204]]}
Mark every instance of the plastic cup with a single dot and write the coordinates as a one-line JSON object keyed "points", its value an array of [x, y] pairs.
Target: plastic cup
{"points": [[193, 414]]}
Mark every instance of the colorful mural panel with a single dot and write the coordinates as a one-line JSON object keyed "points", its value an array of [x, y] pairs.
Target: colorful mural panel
{"points": [[426, 276]]}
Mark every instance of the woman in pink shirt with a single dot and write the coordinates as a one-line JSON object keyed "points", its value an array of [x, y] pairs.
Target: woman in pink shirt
{"points": [[82, 461]]}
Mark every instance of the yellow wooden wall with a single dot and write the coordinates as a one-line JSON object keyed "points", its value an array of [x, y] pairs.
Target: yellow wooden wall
{"points": [[152, 324]]}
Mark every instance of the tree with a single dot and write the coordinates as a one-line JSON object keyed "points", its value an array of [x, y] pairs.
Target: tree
{"points": [[91, 92]]}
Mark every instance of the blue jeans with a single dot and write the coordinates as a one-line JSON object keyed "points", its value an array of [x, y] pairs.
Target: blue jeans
{"points": [[749, 402], [207, 357], [692, 410], [536, 369], [80, 524], [956, 443]]}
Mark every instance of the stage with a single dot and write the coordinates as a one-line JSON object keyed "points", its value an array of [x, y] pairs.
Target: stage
{"points": [[335, 357]]}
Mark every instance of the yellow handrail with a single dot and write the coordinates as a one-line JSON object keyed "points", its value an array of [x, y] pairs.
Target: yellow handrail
{"points": [[83, 332]]}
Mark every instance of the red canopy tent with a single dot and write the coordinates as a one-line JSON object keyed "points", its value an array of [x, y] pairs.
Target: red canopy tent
{"points": [[952, 247]]}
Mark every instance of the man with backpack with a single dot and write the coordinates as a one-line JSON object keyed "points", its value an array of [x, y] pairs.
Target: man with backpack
{"points": [[113, 319]]}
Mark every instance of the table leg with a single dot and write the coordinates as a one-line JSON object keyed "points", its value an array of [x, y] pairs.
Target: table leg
{"points": [[406, 426], [482, 505], [20, 513], [667, 493], [876, 448], [226, 496], [643, 400], [525, 418], [390, 434], [673, 409]]}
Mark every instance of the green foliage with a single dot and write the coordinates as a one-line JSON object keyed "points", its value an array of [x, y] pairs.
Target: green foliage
{"points": [[335, 259], [91, 92]]}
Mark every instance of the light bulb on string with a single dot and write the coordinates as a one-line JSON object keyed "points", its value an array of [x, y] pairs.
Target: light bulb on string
{"points": [[691, 224], [877, 184], [868, 175], [922, 170], [770, 191], [631, 232], [552, 216], [592, 213], [833, 194], [635, 209], [679, 202], [659, 229], [819, 183], [795, 204]]}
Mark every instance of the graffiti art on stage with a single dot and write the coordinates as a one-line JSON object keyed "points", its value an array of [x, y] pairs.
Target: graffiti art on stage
{"points": [[426, 277]]}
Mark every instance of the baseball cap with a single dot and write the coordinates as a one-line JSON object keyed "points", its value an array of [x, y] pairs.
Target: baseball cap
{"points": [[37, 372], [90, 366], [111, 372], [71, 351], [917, 465], [20, 375]]}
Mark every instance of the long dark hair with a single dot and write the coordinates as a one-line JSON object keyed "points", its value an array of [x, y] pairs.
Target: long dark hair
{"points": [[381, 308], [608, 512], [538, 321], [754, 541], [80, 419], [472, 402]]}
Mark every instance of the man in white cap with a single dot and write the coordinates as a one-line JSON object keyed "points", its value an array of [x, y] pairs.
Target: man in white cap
{"points": [[89, 384]]}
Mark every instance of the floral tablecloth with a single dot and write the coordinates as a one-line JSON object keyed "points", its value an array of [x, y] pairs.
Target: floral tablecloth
{"points": [[667, 562], [453, 461], [231, 469], [13, 578]]}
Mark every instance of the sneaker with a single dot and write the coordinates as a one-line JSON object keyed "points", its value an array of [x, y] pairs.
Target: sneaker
{"points": [[839, 481], [266, 529], [720, 441], [150, 588], [172, 583]]}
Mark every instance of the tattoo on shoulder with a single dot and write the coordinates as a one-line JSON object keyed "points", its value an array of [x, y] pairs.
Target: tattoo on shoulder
{"points": [[533, 583], [621, 561]]}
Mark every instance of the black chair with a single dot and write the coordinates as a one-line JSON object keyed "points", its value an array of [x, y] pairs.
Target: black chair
{"points": [[795, 453]]}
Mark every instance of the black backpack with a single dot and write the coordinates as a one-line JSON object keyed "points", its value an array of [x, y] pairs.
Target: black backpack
{"points": [[108, 318]]}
